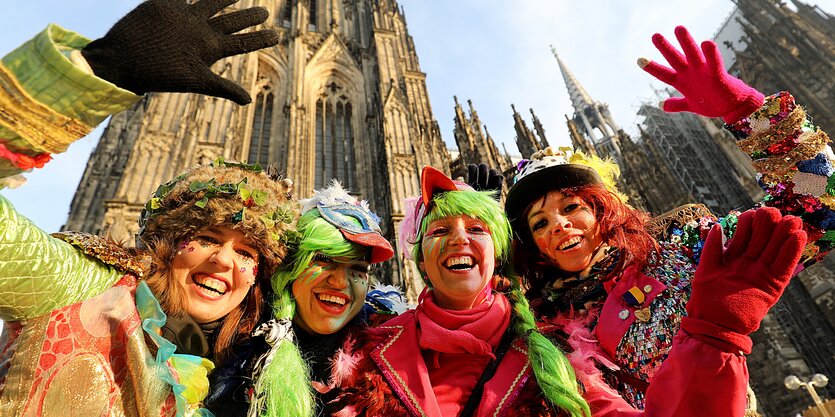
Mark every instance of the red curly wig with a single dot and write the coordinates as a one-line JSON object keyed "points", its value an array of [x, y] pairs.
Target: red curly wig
{"points": [[621, 226]]}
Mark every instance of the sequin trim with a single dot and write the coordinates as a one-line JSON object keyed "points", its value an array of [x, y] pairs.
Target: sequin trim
{"points": [[41, 127], [106, 251]]}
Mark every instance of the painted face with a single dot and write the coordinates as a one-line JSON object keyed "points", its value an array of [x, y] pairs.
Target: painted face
{"points": [[216, 268], [565, 230], [330, 293], [458, 258]]}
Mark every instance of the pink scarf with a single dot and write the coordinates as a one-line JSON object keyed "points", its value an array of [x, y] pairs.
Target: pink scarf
{"points": [[475, 331]]}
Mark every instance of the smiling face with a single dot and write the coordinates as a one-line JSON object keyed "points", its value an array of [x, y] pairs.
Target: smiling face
{"points": [[216, 269], [459, 258], [565, 230], [329, 293]]}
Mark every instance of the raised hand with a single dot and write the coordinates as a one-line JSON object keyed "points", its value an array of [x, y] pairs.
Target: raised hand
{"points": [[734, 288], [170, 46], [483, 178], [700, 77]]}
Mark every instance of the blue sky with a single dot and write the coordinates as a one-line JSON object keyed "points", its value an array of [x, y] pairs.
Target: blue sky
{"points": [[492, 52]]}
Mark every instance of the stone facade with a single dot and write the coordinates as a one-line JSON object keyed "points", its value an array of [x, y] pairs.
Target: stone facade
{"points": [[341, 96]]}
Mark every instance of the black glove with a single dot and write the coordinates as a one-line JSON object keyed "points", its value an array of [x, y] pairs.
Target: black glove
{"points": [[483, 178], [170, 46]]}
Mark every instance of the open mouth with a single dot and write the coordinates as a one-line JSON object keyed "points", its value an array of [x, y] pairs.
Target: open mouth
{"points": [[209, 285], [570, 243], [332, 300], [460, 263]]}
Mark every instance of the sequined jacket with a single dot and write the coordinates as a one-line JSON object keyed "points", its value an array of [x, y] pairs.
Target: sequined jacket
{"points": [[80, 329], [795, 164], [637, 337]]}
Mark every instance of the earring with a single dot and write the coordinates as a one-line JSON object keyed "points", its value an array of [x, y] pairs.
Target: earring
{"points": [[179, 252]]}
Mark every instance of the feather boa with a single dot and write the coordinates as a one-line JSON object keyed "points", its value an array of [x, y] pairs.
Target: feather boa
{"points": [[586, 352]]}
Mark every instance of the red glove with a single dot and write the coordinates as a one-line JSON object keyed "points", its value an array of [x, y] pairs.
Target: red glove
{"points": [[700, 77], [734, 288]]}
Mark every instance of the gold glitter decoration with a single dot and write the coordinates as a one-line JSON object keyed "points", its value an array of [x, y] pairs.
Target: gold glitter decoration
{"points": [[24, 353], [79, 388], [828, 200], [761, 141], [659, 226], [40, 126], [107, 251], [142, 386], [777, 168]]}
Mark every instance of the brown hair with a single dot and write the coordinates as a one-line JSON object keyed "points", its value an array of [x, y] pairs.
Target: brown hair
{"points": [[237, 325], [188, 204]]}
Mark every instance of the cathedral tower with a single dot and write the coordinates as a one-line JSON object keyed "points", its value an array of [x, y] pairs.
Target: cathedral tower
{"points": [[592, 119], [341, 96]]}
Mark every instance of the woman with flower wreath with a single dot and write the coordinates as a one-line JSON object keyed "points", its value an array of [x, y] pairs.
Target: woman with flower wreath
{"points": [[594, 267], [91, 328]]}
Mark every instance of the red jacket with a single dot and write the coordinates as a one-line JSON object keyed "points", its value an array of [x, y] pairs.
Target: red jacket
{"points": [[391, 379]]}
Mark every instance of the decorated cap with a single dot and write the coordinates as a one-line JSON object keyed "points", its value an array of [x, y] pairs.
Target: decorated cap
{"points": [[235, 195], [432, 182], [549, 170], [343, 211]]}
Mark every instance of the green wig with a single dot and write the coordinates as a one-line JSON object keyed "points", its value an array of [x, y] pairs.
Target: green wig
{"points": [[285, 381], [551, 367], [476, 204]]}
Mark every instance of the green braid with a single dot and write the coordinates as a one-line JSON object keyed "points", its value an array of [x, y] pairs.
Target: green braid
{"points": [[476, 204], [286, 380], [551, 368]]}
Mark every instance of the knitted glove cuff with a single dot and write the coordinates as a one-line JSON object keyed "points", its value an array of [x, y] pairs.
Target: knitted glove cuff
{"points": [[751, 103], [717, 336]]}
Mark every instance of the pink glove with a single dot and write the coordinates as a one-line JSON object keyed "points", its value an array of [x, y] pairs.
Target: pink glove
{"points": [[701, 78], [734, 288]]}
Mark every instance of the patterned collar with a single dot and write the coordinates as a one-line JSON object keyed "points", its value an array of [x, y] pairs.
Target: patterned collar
{"points": [[575, 292]]}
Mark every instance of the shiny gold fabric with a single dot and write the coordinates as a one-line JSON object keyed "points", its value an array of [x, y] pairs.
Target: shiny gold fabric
{"points": [[41, 127], [87, 359]]}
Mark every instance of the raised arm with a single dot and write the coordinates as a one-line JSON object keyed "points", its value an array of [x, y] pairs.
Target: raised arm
{"points": [[39, 273], [733, 288], [792, 156], [55, 88]]}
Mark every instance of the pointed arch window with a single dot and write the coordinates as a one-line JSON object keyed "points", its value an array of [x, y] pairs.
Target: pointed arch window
{"points": [[335, 140], [259, 141], [312, 14], [287, 16]]}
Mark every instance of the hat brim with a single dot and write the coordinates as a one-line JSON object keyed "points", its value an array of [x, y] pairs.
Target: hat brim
{"points": [[538, 183], [381, 249]]}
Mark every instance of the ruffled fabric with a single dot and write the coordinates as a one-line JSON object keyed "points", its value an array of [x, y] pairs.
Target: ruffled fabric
{"points": [[186, 374], [474, 331]]}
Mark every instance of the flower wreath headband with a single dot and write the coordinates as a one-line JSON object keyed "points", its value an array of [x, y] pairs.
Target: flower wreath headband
{"points": [[277, 221]]}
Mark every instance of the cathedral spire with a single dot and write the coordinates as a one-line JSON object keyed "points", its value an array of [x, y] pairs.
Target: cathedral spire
{"points": [[579, 97]]}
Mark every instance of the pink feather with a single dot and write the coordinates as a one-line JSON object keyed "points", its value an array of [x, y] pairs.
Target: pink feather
{"points": [[344, 363], [586, 351], [408, 227]]}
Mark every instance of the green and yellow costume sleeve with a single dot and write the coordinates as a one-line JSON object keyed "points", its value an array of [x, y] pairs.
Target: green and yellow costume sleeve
{"points": [[46, 103]]}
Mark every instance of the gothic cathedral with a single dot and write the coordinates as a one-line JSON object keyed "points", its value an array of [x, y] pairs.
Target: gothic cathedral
{"points": [[341, 96]]}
